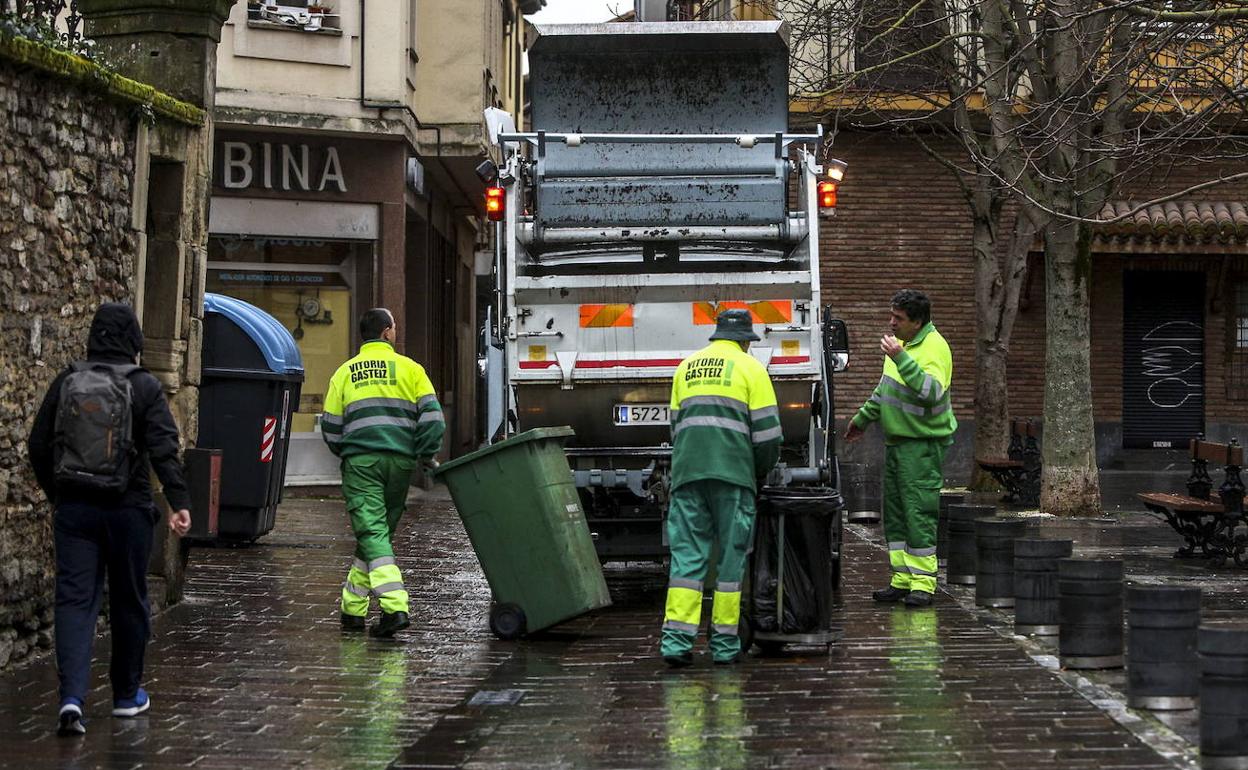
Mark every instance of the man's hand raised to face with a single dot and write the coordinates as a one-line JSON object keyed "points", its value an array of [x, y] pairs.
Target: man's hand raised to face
{"points": [[890, 345]]}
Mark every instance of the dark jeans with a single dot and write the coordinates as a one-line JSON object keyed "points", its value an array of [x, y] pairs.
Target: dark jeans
{"points": [[92, 539]]}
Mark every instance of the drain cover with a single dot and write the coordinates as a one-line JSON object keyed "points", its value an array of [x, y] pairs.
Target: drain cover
{"points": [[495, 697]]}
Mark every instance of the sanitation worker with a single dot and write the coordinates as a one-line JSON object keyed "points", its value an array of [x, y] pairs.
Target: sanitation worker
{"points": [[911, 402], [725, 436], [381, 417]]}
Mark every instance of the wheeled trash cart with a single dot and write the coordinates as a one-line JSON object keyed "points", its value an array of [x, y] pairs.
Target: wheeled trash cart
{"points": [[795, 569], [523, 515]]}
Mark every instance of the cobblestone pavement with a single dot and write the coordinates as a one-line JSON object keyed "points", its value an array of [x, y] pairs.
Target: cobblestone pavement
{"points": [[253, 671]]}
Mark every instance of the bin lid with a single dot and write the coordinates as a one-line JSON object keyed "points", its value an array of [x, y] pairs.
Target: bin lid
{"points": [[274, 340], [536, 434]]}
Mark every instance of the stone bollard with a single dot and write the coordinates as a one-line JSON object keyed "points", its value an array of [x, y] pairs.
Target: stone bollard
{"points": [[994, 560], [1035, 584], [1162, 670], [1090, 613], [1223, 650], [961, 569], [942, 525]]}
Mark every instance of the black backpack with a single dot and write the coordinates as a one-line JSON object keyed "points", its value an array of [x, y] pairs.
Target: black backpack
{"points": [[94, 446]]}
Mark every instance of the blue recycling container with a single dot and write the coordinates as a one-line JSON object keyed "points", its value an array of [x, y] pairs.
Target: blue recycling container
{"points": [[251, 376]]}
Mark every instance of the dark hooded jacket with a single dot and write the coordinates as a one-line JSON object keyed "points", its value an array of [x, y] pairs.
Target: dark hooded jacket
{"points": [[115, 338]]}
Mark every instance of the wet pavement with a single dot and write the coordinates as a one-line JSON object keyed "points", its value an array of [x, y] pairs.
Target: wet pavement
{"points": [[253, 671]]}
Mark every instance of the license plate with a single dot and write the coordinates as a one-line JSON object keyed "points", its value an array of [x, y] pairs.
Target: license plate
{"points": [[642, 414]]}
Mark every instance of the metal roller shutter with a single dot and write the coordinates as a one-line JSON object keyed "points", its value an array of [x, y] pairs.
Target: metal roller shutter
{"points": [[1163, 358]]}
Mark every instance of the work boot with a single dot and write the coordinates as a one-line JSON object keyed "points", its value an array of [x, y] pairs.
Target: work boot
{"points": [[917, 599], [390, 624], [679, 661], [351, 622], [890, 594]]}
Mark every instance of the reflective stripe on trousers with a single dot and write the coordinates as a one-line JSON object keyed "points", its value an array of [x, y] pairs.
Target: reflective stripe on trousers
{"points": [[383, 581]]}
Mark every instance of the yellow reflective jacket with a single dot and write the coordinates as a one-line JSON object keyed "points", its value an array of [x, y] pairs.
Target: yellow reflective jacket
{"points": [[912, 398], [725, 420], [381, 401]]}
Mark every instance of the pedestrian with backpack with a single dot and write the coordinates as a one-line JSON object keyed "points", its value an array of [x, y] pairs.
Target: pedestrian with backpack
{"points": [[104, 425]]}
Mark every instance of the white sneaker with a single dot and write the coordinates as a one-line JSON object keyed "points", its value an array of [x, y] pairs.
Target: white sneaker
{"points": [[132, 707], [69, 721]]}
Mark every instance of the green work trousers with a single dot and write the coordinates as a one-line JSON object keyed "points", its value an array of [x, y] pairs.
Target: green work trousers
{"points": [[700, 515], [913, 476], [375, 487]]}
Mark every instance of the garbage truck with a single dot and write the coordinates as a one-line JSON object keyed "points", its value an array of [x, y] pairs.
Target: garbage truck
{"points": [[657, 185]]}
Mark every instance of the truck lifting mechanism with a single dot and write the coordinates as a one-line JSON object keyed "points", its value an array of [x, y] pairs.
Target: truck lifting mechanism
{"points": [[658, 186]]}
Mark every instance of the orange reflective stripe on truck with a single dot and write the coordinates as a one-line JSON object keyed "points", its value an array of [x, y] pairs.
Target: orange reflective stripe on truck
{"points": [[767, 311], [601, 316]]}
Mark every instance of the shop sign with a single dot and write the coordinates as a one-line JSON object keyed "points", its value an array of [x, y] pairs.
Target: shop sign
{"points": [[281, 166], [273, 278]]}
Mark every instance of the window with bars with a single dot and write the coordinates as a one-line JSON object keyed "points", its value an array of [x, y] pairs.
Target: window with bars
{"points": [[1237, 365]]}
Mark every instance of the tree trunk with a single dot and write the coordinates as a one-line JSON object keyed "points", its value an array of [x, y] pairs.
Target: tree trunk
{"points": [[1070, 485], [998, 281]]}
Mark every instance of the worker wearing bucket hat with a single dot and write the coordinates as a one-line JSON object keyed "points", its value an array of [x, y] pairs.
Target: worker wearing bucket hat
{"points": [[725, 435]]}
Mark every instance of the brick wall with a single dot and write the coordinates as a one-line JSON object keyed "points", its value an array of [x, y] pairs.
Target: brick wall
{"points": [[901, 221], [65, 245]]}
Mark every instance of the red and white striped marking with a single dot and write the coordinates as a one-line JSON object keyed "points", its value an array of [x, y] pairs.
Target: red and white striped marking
{"points": [[267, 439]]}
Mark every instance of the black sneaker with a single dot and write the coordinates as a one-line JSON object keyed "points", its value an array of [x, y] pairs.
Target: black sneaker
{"points": [[727, 661], [917, 599], [390, 624], [890, 594], [351, 622], [679, 661], [69, 721]]}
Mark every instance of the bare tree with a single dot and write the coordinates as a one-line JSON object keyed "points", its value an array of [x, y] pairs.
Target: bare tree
{"points": [[1053, 106]]}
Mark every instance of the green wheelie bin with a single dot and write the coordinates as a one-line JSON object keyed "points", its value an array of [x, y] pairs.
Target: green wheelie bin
{"points": [[524, 518]]}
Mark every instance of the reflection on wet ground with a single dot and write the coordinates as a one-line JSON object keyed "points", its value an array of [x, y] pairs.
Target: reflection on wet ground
{"points": [[253, 671]]}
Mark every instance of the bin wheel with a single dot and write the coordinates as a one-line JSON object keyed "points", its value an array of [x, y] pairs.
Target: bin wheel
{"points": [[838, 539], [745, 632], [770, 647], [507, 621]]}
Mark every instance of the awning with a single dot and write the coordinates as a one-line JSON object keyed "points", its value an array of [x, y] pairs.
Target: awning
{"points": [[1181, 220]]}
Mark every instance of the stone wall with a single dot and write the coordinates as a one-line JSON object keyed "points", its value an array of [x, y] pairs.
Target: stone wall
{"points": [[66, 244]]}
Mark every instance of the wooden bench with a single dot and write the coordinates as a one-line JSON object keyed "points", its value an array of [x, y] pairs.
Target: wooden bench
{"points": [[1208, 524], [1019, 471]]}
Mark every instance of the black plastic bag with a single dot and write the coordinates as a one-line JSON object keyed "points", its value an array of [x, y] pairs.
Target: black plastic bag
{"points": [[809, 515]]}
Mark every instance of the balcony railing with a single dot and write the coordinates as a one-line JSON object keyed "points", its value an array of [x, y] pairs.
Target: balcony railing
{"points": [[55, 22]]}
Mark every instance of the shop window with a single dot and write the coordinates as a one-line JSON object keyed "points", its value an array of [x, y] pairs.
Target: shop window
{"points": [[309, 285], [1237, 369]]}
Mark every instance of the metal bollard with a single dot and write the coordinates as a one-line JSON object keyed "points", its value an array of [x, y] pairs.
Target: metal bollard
{"points": [[994, 560], [1090, 613], [862, 488], [961, 569], [942, 525], [1162, 670], [1223, 650], [1035, 584]]}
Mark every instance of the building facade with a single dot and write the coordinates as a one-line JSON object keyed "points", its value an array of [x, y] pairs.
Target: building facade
{"points": [[346, 140], [1169, 301], [1169, 294]]}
